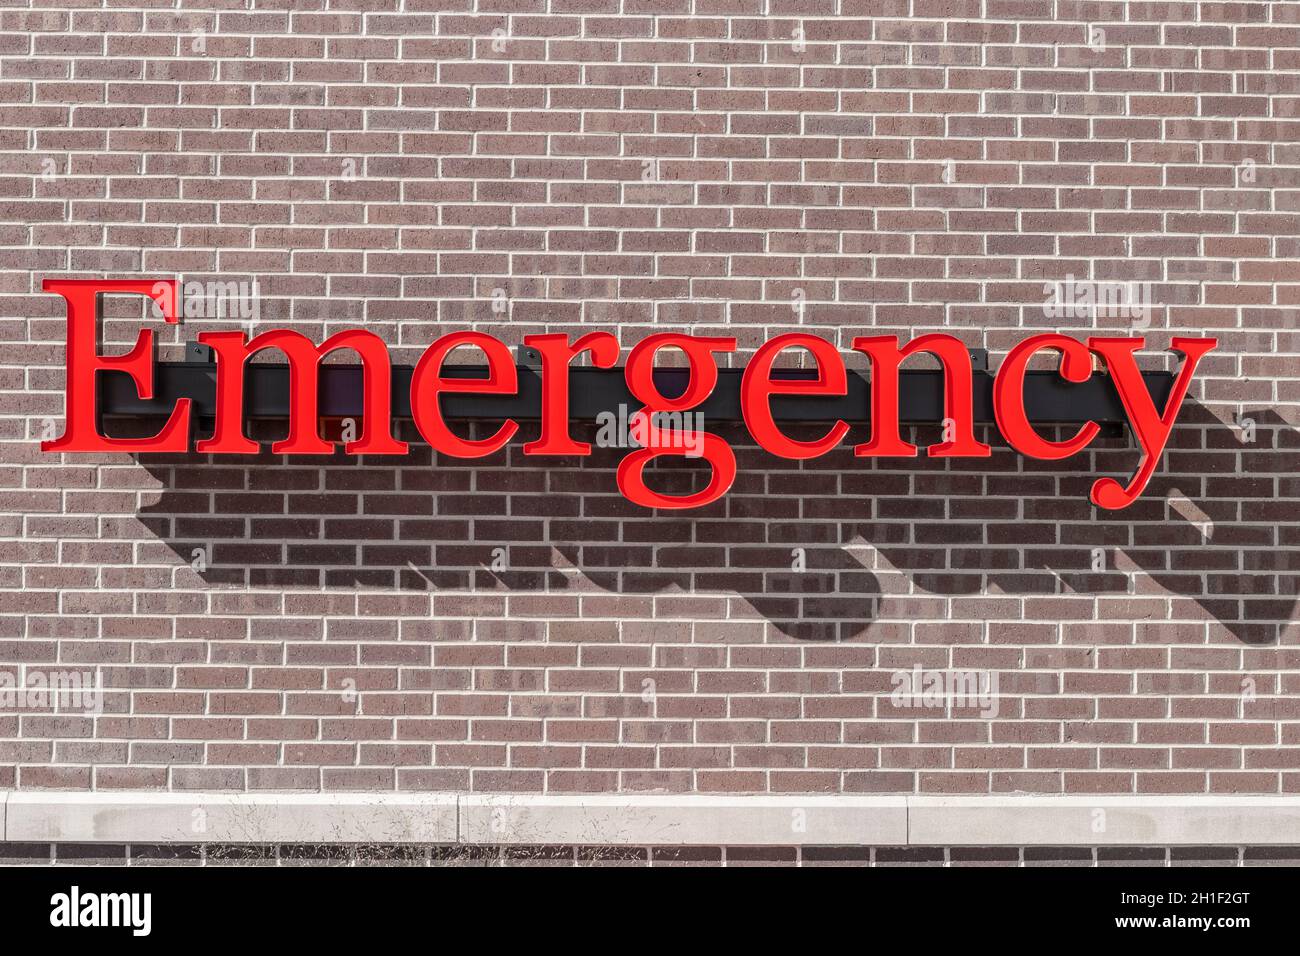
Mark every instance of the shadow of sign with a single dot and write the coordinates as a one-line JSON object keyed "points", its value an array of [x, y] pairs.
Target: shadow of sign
{"points": [[822, 549]]}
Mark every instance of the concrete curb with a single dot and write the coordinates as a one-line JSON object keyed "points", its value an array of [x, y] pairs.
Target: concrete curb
{"points": [[647, 819]]}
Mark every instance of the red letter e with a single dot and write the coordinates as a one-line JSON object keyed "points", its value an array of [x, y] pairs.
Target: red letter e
{"points": [[83, 361]]}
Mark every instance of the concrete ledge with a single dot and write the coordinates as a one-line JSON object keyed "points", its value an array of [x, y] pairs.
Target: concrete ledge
{"points": [[234, 818], [1103, 821], [647, 819], [650, 819]]}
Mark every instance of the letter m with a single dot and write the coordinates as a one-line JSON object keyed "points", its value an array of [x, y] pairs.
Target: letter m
{"points": [[115, 910], [232, 352]]}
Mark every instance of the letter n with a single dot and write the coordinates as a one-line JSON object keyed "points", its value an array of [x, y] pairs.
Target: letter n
{"points": [[886, 357]]}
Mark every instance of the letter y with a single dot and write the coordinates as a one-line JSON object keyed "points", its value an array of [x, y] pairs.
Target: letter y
{"points": [[1150, 427]]}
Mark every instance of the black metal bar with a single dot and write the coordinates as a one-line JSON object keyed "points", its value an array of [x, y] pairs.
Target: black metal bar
{"points": [[1048, 397]]}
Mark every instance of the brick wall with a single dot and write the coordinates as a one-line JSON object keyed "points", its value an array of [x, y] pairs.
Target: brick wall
{"points": [[737, 167]]}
